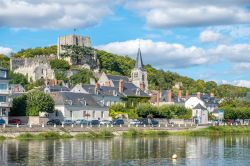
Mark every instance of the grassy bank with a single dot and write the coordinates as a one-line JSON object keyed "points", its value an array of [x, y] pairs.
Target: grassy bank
{"points": [[215, 131], [209, 131], [133, 132], [143, 133], [105, 133], [46, 135]]}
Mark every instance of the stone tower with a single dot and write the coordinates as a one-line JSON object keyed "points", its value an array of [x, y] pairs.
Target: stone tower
{"points": [[139, 76], [71, 40]]}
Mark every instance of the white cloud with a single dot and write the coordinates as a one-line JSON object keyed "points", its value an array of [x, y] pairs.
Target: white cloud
{"points": [[166, 55], [5, 50], [210, 36], [235, 53], [53, 13], [241, 67], [166, 13], [242, 83], [160, 54]]}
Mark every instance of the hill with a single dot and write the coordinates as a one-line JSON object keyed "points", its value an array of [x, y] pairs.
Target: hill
{"points": [[158, 79]]}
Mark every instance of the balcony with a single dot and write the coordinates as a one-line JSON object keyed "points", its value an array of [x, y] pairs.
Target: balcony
{"points": [[5, 104]]}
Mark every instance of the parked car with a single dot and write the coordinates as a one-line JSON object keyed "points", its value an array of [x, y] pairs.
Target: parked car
{"points": [[2, 121], [145, 121], [135, 122], [15, 121], [105, 122], [94, 122], [118, 122], [54, 122], [68, 122], [81, 122]]}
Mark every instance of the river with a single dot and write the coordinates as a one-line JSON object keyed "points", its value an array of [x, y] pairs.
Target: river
{"points": [[200, 151]]}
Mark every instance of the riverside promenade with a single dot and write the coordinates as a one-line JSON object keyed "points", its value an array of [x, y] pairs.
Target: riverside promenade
{"points": [[15, 130]]}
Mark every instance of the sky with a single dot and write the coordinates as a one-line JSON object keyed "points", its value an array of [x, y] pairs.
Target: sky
{"points": [[207, 40]]}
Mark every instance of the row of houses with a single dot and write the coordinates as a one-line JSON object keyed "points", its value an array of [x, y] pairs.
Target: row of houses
{"points": [[91, 101]]}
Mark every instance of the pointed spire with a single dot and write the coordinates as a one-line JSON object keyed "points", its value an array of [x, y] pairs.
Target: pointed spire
{"points": [[139, 63]]}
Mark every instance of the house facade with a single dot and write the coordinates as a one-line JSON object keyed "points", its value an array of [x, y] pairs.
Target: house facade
{"points": [[5, 100], [199, 110], [70, 105]]}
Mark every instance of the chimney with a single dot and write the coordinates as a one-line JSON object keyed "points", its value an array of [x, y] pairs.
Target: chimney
{"points": [[158, 98], [198, 94], [179, 94], [142, 86], [169, 96], [107, 83], [97, 86], [120, 86], [187, 94]]}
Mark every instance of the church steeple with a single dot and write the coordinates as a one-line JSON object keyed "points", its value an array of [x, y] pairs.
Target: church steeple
{"points": [[139, 62], [138, 74]]}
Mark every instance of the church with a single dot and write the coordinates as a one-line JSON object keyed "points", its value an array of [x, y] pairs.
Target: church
{"points": [[137, 85]]}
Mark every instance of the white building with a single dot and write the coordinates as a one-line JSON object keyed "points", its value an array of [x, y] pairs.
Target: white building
{"points": [[199, 110], [5, 100], [70, 105]]}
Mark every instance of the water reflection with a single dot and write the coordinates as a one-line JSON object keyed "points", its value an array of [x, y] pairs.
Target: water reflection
{"points": [[128, 151]]}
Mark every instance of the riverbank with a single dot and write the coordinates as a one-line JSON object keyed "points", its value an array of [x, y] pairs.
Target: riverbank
{"points": [[131, 132]]}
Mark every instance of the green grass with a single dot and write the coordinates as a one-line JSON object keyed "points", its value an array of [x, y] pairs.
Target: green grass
{"points": [[2, 137], [46, 135], [215, 131], [104, 133], [138, 133]]}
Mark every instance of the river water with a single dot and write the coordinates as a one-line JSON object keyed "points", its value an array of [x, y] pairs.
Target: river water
{"points": [[191, 151]]}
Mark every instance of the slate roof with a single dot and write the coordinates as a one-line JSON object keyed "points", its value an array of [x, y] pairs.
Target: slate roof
{"points": [[139, 62], [73, 99], [57, 88], [117, 78], [104, 90], [199, 106], [129, 89]]}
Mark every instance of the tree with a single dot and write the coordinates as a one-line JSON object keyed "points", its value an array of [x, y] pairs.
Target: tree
{"points": [[83, 76], [38, 101], [17, 78], [19, 106], [4, 61], [59, 64]]}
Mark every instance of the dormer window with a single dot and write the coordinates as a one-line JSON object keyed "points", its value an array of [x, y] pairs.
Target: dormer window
{"points": [[138, 92], [115, 93], [69, 102], [83, 102]]}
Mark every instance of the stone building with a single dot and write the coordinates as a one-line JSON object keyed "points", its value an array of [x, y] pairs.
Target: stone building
{"points": [[34, 68], [80, 53], [71, 40]]}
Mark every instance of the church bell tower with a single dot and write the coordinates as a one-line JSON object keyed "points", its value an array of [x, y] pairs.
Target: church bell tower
{"points": [[139, 76]]}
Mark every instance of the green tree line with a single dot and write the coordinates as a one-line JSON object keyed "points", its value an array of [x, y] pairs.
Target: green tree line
{"points": [[146, 110]]}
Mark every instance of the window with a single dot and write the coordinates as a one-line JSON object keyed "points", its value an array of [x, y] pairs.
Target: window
{"points": [[3, 98], [143, 77], [93, 114], [71, 114], [3, 74], [3, 86], [84, 113], [57, 113], [102, 114], [135, 75], [4, 112]]}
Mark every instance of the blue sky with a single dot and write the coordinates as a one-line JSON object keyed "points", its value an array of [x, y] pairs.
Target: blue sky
{"points": [[199, 39]]}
